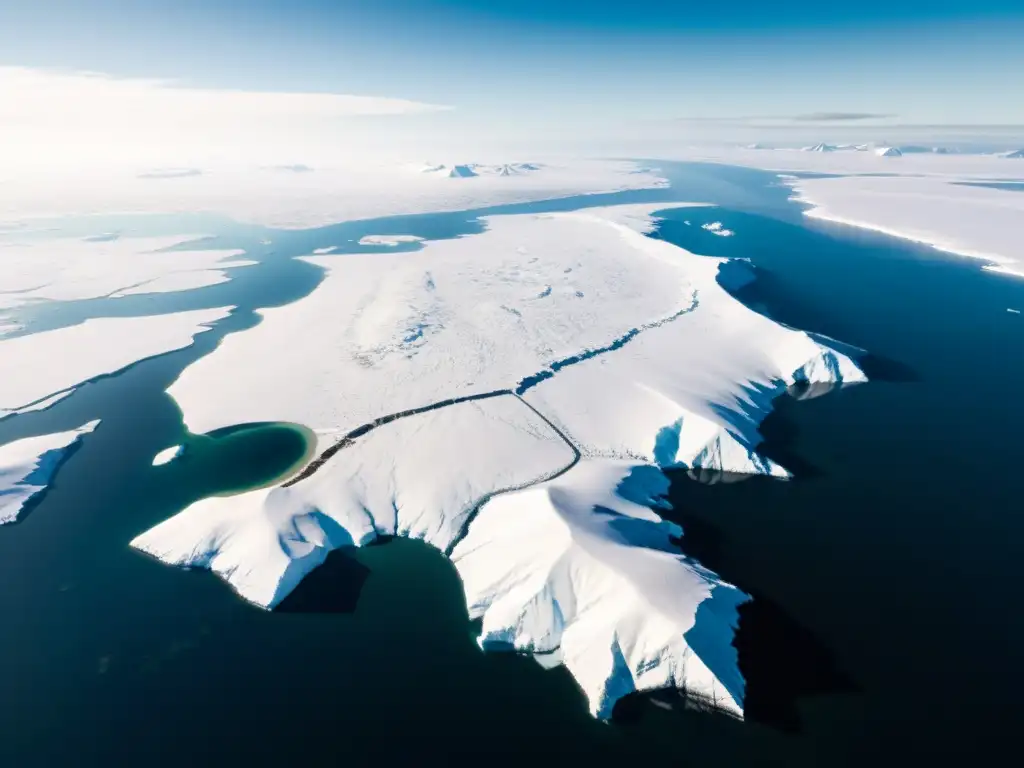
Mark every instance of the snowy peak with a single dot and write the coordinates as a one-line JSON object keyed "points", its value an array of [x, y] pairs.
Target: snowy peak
{"points": [[470, 170], [582, 566]]}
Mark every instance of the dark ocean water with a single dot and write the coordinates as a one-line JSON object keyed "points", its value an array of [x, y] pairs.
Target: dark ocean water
{"points": [[884, 573]]}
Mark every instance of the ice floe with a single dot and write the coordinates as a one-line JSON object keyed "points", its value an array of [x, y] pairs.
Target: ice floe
{"points": [[716, 228], [28, 465], [966, 220], [47, 366], [167, 455], [388, 240], [68, 269]]}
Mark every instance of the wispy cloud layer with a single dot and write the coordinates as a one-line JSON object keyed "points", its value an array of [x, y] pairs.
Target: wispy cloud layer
{"points": [[45, 112], [836, 117]]}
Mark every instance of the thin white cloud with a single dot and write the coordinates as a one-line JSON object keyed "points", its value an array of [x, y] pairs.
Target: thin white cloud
{"points": [[75, 113]]}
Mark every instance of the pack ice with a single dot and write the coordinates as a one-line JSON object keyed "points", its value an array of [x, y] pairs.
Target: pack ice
{"points": [[511, 399], [28, 465]]}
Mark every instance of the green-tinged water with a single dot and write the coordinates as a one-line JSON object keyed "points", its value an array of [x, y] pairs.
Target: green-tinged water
{"points": [[244, 457]]}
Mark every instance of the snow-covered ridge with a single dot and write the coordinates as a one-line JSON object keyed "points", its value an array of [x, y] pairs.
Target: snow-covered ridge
{"points": [[457, 389], [28, 465], [580, 566], [470, 170]]}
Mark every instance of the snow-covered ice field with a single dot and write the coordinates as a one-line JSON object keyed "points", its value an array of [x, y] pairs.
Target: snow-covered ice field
{"points": [[542, 371]]}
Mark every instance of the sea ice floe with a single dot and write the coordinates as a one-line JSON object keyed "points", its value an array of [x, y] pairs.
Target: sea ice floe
{"points": [[28, 465], [167, 455], [716, 228], [50, 364], [389, 240], [69, 269]]}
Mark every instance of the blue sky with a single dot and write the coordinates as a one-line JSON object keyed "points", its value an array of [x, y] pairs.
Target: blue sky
{"points": [[568, 61]]}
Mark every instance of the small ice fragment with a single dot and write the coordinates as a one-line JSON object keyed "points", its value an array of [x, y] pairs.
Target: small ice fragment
{"points": [[167, 455], [716, 228]]}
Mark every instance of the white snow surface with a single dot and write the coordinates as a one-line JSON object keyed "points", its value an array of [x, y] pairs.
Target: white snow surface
{"points": [[970, 221], [27, 466], [418, 476], [477, 314], [581, 564], [67, 269], [48, 365], [389, 240], [576, 335], [917, 199], [338, 192]]}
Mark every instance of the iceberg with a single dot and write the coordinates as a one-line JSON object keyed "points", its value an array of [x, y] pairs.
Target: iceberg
{"points": [[1014, 155], [888, 152], [388, 240], [27, 467], [47, 366]]}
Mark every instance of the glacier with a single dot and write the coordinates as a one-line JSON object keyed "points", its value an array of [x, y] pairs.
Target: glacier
{"points": [[27, 467], [511, 398]]}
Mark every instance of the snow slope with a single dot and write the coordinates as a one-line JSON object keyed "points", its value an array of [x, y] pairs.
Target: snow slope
{"points": [[28, 465], [419, 476], [68, 269], [49, 365], [582, 567]]}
